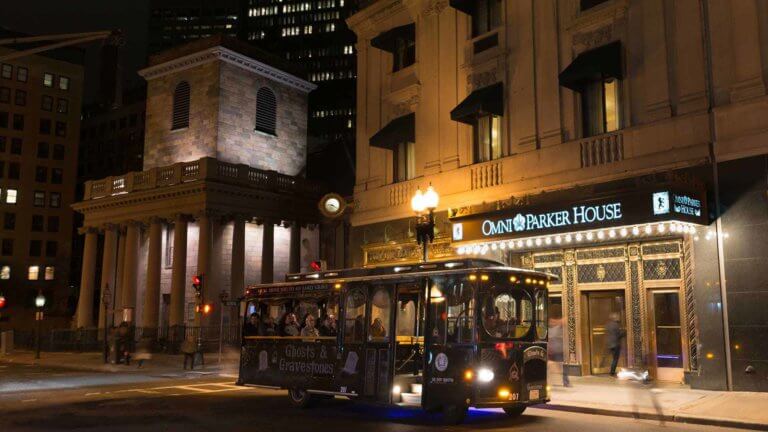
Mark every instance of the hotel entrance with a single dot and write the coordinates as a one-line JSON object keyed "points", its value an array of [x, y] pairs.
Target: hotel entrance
{"points": [[665, 333], [599, 306]]}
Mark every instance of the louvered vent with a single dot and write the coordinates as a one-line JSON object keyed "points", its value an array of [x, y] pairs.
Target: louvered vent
{"points": [[180, 118], [266, 111]]}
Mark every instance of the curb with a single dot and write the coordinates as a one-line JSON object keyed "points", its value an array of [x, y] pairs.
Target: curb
{"points": [[678, 418]]}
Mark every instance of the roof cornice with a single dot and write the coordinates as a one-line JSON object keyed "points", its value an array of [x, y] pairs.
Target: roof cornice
{"points": [[228, 56]]}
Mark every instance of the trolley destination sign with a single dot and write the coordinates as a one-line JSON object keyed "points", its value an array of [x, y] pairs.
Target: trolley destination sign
{"points": [[635, 208]]}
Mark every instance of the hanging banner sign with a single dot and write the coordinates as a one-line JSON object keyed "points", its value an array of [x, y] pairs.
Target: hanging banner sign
{"points": [[629, 209]]}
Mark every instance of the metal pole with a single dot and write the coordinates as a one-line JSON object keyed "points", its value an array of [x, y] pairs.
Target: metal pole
{"points": [[106, 332], [37, 334], [221, 329]]}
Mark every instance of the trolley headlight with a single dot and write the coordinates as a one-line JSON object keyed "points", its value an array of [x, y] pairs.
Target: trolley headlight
{"points": [[485, 375]]}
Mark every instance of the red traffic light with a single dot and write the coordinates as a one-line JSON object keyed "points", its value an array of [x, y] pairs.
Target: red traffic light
{"points": [[2, 301], [196, 280], [316, 265]]}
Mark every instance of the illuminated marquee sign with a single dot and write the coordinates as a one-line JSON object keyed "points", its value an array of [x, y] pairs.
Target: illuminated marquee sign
{"points": [[622, 210]]}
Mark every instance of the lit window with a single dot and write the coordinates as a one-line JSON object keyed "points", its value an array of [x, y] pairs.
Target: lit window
{"points": [[405, 161], [49, 272], [10, 196], [600, 107], [64, 83], [7, 71], [5, 272], [39, 199], [33, 273], [487, 139], [22, 74], [48, 80]]}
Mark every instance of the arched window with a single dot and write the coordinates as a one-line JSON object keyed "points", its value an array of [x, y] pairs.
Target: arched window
{"points": [[266, 111], [180, 115]]}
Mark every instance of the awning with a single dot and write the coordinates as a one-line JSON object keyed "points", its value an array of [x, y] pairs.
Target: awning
{"points": [[486, 100], [599, 63], [399, 130], [466, 6], [387, 41]]}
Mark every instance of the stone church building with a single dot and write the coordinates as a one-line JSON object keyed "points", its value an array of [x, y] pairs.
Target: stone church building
{"points": [[220, 194]]}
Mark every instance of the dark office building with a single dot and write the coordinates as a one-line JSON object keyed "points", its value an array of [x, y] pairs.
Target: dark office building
{"points": [[313, 35]]}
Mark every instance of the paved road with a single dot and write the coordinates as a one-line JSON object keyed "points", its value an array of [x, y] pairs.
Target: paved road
{"points": [[194, 402]]}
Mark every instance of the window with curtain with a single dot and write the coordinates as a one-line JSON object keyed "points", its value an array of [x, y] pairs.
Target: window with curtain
{"points": [[487, 16], [600, 107], [180, 115], [266, 111], [487, 138], [405, 161]]}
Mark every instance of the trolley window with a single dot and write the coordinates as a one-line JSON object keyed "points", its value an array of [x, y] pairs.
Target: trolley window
{"points": [[541, 315], [381, 309], [354, 316], [507, 313], [452, 303]]}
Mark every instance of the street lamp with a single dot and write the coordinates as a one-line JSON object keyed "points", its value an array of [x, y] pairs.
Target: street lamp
{"points": [[105, 301], [424, 205], [39, 303]]}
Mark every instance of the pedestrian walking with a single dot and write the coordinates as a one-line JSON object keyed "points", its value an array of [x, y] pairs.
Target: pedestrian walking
{"points": [[555, 347], [189, 349], [614, 335], [143, 351]]}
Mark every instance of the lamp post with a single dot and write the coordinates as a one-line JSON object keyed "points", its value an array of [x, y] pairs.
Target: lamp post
{"points": [[39, 303], [105, 301], [424, 205]]}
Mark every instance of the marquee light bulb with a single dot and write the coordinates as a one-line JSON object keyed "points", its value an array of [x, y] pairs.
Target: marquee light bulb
{"points": [[635, 231], [519, 243], [493, 246], [460, 251], [612, 233], [548, 240], [661, 228], [590, 236], [529, 242], [579, 237], [538, 242], [502, 245], [601, 235], [623, 232], [648, 229], [673, 228], [568, 238], [511, 244], [558, 239]]}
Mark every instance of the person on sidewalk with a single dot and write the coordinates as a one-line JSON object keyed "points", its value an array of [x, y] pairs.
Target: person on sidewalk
{"points": [[124, 341], [614, 335], [555, 347], [189, 349], [143, 351]]}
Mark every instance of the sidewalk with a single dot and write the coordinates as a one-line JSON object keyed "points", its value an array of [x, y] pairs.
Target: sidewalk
{"points": [[663, 402]]}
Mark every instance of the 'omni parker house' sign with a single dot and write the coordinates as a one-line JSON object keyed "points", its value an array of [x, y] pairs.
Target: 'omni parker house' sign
{"points": [[628, 209]]}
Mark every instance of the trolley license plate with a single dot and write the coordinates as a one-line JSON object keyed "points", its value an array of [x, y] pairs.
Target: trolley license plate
{"points": [[534, 394]]}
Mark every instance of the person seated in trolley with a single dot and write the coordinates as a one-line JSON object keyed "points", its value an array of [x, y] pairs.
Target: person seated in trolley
{"points": [[378, 331], [309, 329], [290, 325], [252, 327], [268, 327], [328, 326]]}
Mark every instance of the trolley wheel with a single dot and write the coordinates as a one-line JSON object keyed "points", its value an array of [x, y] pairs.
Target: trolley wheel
{"points": [[300, 398], [515, 410], [454, 414]]}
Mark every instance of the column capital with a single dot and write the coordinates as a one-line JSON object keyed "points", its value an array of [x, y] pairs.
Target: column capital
{"points": [[133, 223], [88, 230], [109, 227]]}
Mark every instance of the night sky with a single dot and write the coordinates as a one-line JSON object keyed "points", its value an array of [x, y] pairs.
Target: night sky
{"points": [[42, 17]]}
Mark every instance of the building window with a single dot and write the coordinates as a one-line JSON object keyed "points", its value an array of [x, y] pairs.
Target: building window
{"points": [[53, 224], [18, 122], [600, 107], [62, 106], [487, 138], [22, 74], [46, 103], [404, 158], [57, 176], [63, 83], [21, 98], [486, 16], [61, 129], [14, 171], [5, 95], [180, 115], [45, 126], [405, 53], [33, 273], [58, 152], [9, 221], [39, 200], [2, 169], [48, 79], [3, 119], [7, 71], [51, 249], [7, 247], [5, 272], [42, 150], [266, 111], [16, 146], [41, 174], [49, 272], [35, 248], [2, 144], [10, 196], [37, 223], [55, 200]]}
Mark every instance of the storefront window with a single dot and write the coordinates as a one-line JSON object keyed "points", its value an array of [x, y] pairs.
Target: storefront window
{"points": [[507, 314]]}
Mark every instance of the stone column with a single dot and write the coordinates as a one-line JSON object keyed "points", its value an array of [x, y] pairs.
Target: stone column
{"points": [[179, 272], [87, 280], [151, 311], [238, 258], [108, 269], [130, 264], [294, 263], [204, 260], [117, 308], [268, 252]]}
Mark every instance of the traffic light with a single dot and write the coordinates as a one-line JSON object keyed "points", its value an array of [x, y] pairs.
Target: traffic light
{"points": [[317, 265], [197, 284], [205, 309], [2, 301]]}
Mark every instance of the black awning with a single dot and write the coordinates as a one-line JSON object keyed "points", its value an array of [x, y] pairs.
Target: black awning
{"points": [[599, 63], [387, 41], [486, 100], [466, 6], [399, 130]]}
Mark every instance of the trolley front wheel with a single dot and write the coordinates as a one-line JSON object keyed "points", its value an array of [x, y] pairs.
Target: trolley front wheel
{"points": [[300, 398]]}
